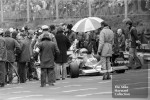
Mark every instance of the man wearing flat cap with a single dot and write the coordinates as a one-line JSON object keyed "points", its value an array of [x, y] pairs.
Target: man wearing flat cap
{"points": [[48, 51], [45, 29]]}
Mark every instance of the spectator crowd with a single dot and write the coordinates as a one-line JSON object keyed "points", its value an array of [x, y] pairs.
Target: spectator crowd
{"points": [[49, 45]]}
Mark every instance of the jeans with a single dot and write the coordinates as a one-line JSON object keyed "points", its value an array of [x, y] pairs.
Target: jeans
{"points": [[134, 61], [61, 69]]}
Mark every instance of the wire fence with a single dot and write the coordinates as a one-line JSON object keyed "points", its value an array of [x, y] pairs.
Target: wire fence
{"points": [[16, 10]]}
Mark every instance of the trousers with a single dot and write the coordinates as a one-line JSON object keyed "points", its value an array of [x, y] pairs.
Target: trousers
{"points": [[2, 72], [61, 69], [133, 59], [47, 73], [22, 72]]}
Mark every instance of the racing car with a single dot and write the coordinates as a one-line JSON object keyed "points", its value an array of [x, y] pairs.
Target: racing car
{"points": [[82, 63]]}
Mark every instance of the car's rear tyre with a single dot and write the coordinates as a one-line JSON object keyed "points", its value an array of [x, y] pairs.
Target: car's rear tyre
{"points": [[74, 70]]}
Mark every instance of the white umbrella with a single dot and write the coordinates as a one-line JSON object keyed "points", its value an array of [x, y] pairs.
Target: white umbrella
{"points": [[87, 24]]}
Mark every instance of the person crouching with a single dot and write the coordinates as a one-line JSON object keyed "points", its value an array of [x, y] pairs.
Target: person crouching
{"points": [[48, 51]]}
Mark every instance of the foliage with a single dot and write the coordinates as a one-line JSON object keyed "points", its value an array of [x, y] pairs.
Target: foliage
{"points": [[15, 10]]}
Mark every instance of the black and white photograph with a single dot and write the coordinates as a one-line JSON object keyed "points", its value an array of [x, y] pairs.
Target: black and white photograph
{"points": [[74, 49]]}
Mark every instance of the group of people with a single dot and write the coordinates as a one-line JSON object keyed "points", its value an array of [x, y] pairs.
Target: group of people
{"points": [[18, 47], [22, 47]]}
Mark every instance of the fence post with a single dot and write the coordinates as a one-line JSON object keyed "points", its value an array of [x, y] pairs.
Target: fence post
{"points": [[89, 2], [126, 9], [28, 10], [57, 15], [2, 14]]}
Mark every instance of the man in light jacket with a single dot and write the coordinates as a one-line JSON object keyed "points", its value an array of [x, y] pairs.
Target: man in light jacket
{"points": [[106, 40]]}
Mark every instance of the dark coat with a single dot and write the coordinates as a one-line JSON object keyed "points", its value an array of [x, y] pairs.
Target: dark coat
{"points": [[3, 51], [25, 50], [133, 37], [11, 45], [71, 36], [48, 52], [121, 42], [63, 45]]}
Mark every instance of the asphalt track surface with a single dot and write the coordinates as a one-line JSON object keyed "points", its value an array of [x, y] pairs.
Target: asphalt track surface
{"points": [[133, 84]]}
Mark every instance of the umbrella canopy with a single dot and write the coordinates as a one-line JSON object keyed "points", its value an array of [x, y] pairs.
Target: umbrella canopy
{"points": [[87, 24]]}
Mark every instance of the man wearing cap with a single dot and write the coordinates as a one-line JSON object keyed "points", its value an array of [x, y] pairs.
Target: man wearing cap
{"points": [[134, 62], [3, 57], [48, 51], [45, 29]]}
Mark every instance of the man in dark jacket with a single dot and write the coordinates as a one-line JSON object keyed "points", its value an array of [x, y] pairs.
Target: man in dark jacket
{"points": [[3, 57], [12, 46], [70, 34], [63, 45], [24, 59], [48, 51], [134, 62]]}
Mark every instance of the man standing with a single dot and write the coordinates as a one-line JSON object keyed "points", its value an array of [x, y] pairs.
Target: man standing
{"points": [[63, 45], [70, 34], [3, 57], [11, 45], [121, 40], [24, 58], [134, 62], [106, 40], [48, 51]]}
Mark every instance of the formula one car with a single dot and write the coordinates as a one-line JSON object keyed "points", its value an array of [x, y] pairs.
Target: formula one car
{"points": [[82, 63]]}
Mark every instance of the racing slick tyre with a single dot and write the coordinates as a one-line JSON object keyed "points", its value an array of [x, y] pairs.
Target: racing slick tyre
{"points": [[120, 71], [74, 70]]}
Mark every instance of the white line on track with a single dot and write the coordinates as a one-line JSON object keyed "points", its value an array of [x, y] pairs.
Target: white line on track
{"points": [[100, 93], [137, 83], [11, 88], [13, 98], [21, 92], [105, 82], [140, 88], [61, 82], [72, 85], [65, 86], [17, 92], [121, 80], [55, 88], [90, 79], [80, 90]]}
